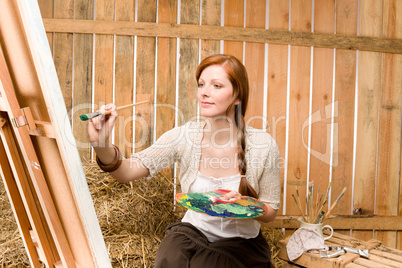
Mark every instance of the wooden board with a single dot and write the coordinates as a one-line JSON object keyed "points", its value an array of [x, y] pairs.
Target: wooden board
{"points": [[379, 256], [82, 69], [299, 99], [389, 136], [277, 83], [49, 173], [234, 16], [322, 99], [369, 77], [254, 57], [63, 52], [124, 79], [104, 58], [211, 15], [344, 110], [188, 63], [232, 34], [368, 222], [145, 78]]}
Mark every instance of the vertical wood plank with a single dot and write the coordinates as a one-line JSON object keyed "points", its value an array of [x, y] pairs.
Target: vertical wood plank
{"points": [[103, 87], [389, 140], [82, 98], [63, 52], [166, 71], [124, 78], [345, 76], [166, 74], [145, 78], [187, 102], [298, 104], [210, 15], [393, 23], [367, 115], [277, 81], [46, 10], [234, 16], [254, 62], [323, 62]]}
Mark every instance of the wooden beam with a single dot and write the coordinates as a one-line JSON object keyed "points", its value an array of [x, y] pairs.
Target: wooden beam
{"points": [[342, 222], [17, 205], [341, 41], [86, 241], [43, 129], [2, 103]]}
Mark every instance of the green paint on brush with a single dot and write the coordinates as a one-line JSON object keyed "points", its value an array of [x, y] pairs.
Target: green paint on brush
{"points": [[84, 117]]}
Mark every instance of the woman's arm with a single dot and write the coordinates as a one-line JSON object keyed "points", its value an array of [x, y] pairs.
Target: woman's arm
{"points": [[269, 216], [130, 169], [99, 131]]}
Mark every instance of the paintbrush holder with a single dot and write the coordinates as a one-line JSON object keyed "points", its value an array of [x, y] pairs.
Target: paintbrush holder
{"points": [[318, 227]]}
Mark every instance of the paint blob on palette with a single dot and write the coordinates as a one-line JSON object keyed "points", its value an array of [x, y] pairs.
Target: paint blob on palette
{"points": [[211, 203]]}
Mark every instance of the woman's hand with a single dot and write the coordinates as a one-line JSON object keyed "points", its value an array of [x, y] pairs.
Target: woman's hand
{"points": [[231, 195], [267, 217], [100, 128]]}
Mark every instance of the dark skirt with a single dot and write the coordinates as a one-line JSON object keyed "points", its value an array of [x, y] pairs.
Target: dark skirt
{"points": [[185, 246]]}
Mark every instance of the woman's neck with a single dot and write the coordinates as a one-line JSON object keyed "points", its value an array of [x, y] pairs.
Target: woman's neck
{"points": [[221, 131]]}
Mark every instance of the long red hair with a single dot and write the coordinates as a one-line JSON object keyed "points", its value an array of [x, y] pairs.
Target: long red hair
{"points": [[238, 77]]}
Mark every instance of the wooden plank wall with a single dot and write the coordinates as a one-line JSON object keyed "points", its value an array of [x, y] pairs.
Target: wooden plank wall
{"points": [[335, 114]]}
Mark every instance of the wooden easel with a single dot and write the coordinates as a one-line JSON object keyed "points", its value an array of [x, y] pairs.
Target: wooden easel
{"points": [[26, 183], [41, 171]]}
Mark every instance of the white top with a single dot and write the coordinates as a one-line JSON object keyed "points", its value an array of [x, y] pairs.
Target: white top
{"points": [[183, 145], [215, 228]]}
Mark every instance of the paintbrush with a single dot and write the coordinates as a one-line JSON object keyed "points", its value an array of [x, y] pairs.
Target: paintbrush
{"points": [[334, 204], [316, 205], [311, 200], [300, 208], [299, 201], [323, 204], [85, 117], [318, 214], [327, 192]]}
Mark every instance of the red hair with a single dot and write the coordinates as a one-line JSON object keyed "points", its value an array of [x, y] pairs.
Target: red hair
{"points": [[238, 77]]}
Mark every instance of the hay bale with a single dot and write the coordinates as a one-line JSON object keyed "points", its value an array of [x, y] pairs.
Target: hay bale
{"points": [[132, 217]]}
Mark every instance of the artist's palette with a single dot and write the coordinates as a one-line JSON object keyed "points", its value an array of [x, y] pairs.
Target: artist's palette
{"points": [[211, 203]]}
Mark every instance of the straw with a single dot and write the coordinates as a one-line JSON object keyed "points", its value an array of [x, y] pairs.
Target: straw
{"points": [[133, 218]]}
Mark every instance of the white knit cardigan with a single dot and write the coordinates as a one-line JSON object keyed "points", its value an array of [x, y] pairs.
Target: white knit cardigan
{"points": [[183, 144]]}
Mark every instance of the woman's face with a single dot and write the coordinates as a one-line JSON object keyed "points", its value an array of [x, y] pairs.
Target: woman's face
{"points": [[215, 92]]}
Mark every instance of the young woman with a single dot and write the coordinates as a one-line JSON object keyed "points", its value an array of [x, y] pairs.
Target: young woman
{"points": [[218, 152]]}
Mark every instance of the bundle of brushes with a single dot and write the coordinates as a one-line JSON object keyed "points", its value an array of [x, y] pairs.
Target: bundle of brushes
{"points": [[314, 208]]}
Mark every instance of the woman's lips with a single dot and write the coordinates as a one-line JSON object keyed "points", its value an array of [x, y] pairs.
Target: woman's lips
{"points": [[206, 104]]}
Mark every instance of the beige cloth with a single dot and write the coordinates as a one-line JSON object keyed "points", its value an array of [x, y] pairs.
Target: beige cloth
{"points": [[304, 240], [183, 144]]}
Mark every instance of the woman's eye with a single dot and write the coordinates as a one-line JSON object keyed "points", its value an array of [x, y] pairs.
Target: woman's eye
{"points": [[218, 86], [200, 84]]}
